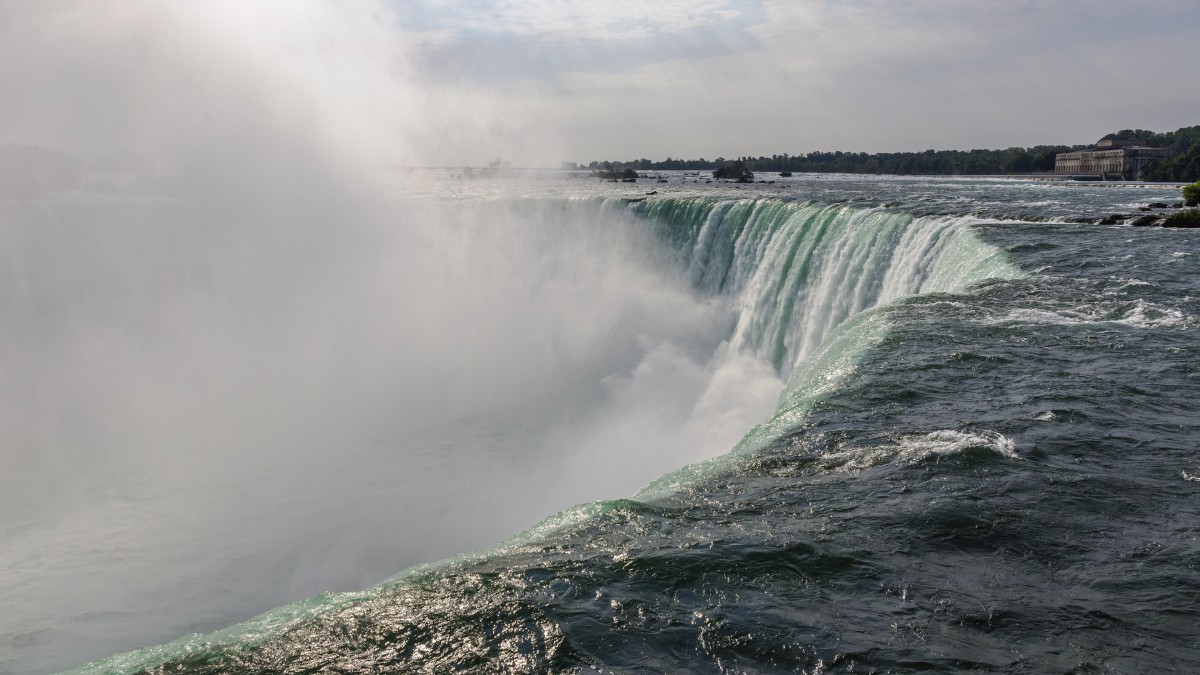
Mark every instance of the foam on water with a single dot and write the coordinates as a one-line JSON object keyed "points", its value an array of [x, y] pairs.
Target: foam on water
{"points": [[914, 448], [1138, 313]]}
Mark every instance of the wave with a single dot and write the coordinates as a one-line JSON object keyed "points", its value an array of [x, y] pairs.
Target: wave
{"points": [[1136, 313]]}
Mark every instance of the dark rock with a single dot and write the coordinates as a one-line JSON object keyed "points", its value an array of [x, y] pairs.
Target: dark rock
{"points": [[1157, 205], [1146, 221], [610, 173], [735, 170], [1114, 219], [1188, 218]]}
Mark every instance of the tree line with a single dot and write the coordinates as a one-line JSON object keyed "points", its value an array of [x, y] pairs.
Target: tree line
{"points": [[1183, 166]]}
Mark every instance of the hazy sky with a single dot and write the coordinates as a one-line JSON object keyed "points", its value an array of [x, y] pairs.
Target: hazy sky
{"points": [[542, 81]]}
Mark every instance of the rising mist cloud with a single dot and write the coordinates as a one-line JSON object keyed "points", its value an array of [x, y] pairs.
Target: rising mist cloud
{"points": [[194, 86]]}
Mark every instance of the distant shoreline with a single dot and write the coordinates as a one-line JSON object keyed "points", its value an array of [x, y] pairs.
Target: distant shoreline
{"points": [[583, 172]]}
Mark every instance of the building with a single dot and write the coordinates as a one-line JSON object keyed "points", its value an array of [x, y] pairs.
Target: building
{"points": [[1120, 160]]}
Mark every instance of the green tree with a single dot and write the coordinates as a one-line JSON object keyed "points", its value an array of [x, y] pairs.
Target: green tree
{"points": [[1191, 194], [1183, 218], [1183, 167]]}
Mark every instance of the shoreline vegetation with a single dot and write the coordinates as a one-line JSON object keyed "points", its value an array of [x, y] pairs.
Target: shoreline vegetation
{"points": [[1182, 166]]}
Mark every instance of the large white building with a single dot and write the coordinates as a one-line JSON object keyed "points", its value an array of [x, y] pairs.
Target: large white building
{"points": [[1107, 159]]}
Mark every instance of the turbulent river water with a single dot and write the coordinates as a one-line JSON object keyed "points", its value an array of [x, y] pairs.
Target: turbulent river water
{"points": [[825, 424]]}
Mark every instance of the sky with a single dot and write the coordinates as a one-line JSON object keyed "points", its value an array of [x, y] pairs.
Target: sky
{"points": [[537, 82]]}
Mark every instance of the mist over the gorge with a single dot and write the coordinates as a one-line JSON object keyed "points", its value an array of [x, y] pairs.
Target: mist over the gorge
{"points": [[254, 372]]}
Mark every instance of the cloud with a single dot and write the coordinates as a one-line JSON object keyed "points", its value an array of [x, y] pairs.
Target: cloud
{"points": [[560, 21], [858, 75], [946, 74], [442, 82], [541, 43]]}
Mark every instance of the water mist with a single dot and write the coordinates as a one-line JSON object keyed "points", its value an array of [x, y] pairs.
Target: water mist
{"points": [[257, 374]]}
